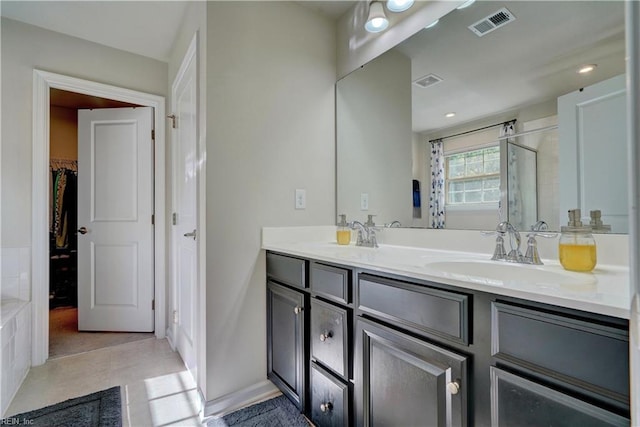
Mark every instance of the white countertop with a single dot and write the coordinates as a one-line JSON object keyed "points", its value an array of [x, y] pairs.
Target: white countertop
{"points": [[605, 290]]}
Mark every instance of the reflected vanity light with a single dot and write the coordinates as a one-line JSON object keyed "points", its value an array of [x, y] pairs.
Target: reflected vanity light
{"points": [[587, 68], [399, 5], [433, 24], [449, 115], [377, 20], [466, 4]]}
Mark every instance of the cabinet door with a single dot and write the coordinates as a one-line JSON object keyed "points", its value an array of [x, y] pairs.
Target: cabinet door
{"points": [[329, 399], [286, 350], [403, 381], [516, 401]]}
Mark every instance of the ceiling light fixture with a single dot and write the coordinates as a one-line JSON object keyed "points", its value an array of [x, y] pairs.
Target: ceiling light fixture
{"points": [[466, 4], [584, 69], [399, 5], [449, 115], [377, 20], [433, 24]]}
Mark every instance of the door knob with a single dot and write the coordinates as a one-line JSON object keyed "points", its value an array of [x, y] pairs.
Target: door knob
{"points": [[453, 387], [326, 407], [83, 230], [297, 310], [324, 336], [192, 234]]}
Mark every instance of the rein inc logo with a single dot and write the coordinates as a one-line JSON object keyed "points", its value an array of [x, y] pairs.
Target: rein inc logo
{"points": [[16, 421]]}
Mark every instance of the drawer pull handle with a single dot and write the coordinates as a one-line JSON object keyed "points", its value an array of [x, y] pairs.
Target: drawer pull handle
{"points": [[325, 336], [453, 387], [297, 309], [326, 407]]}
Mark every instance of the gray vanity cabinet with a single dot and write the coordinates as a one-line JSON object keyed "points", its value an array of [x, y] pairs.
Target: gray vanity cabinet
{"points": [[401, 378], [287, 321], [357, 347], [404, 381], [331, 343], [558, 368]]}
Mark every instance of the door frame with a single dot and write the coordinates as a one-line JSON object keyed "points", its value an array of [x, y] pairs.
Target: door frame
{"points": [[42, 82]]}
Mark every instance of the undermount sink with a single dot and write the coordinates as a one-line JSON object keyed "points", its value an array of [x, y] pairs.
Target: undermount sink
{"points": [[499, 273]]}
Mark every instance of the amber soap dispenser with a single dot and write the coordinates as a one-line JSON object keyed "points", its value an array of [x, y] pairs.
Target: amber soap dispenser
{"points": [[343, 234], [577, 247]]}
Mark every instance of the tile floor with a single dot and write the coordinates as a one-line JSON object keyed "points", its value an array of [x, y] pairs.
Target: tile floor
{"points": [[156, 388]]}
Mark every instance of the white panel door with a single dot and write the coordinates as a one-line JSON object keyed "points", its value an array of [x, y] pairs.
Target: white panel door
{"points": [[184, 96], [115, 207], [592, 131]]}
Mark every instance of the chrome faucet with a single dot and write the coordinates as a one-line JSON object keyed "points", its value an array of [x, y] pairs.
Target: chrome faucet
{"points": [[366, 233], [514, 255], [393, 224]]}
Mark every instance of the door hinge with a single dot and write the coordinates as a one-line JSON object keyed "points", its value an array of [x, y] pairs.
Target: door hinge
{"points": [[174, 218], [175, 316], [153, 304], [153, 219], [153, 134]]}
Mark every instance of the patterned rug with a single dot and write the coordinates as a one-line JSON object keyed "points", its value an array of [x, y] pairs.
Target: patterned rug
{"points": [[276, 412], [100, 409]]}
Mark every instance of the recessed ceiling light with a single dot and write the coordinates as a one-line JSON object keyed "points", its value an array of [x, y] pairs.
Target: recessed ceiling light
{"points": [[451, 114], [584, 69], [399, 5], [466, 4], [433, 24]]}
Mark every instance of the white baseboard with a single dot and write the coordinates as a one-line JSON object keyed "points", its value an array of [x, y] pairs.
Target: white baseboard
{"points": [[170, 339], [253, 394]]}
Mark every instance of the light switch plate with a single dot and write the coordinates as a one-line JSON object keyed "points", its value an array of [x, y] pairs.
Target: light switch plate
{"points": [[301, 198], [364, 201]]}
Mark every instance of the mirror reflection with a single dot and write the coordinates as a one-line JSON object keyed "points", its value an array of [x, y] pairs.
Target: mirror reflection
{"points": [[451, 129]]}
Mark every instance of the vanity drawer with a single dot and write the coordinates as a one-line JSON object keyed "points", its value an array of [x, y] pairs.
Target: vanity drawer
{"points": [[418, 308], [329, 399], [287, 270], [330, 336], [590, 355], [516, 401], [331, 282]]}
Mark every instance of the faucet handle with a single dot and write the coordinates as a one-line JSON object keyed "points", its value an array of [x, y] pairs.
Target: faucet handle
{"points": [[541, 228], [499, 253]]}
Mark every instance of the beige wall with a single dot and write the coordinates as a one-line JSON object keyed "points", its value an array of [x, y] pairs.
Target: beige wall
{"points": [[270, 129], [374, 141], [63, 133], [25, 47]]}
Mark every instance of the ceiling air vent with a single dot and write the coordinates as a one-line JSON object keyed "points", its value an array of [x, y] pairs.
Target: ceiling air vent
{"points": [[426, 81], [492, 22]]}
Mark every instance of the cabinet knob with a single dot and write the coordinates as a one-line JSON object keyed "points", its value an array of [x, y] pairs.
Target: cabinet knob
{"points": [[453, 387], [325, 336], [326, 407], [297, 309]]}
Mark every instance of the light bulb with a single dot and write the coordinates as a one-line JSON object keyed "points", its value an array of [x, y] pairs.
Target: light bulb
{"points": [[377, 21], [399, 5]]}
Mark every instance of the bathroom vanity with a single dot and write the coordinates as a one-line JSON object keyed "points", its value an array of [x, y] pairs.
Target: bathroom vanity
{"points": [[408, 336]]}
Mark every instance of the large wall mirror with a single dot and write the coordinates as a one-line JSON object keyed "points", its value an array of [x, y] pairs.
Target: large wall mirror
{"points": [[502, 153]]}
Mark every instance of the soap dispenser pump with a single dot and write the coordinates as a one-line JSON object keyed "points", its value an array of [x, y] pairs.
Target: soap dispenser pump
{"points": [[577, 247], [343, 233]]}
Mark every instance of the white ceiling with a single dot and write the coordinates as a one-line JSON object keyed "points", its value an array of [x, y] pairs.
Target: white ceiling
{"points": [[528, 61], [145, 28]]}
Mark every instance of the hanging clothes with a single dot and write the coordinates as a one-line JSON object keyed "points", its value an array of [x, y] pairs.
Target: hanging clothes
{"points": [[63, 203]]}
